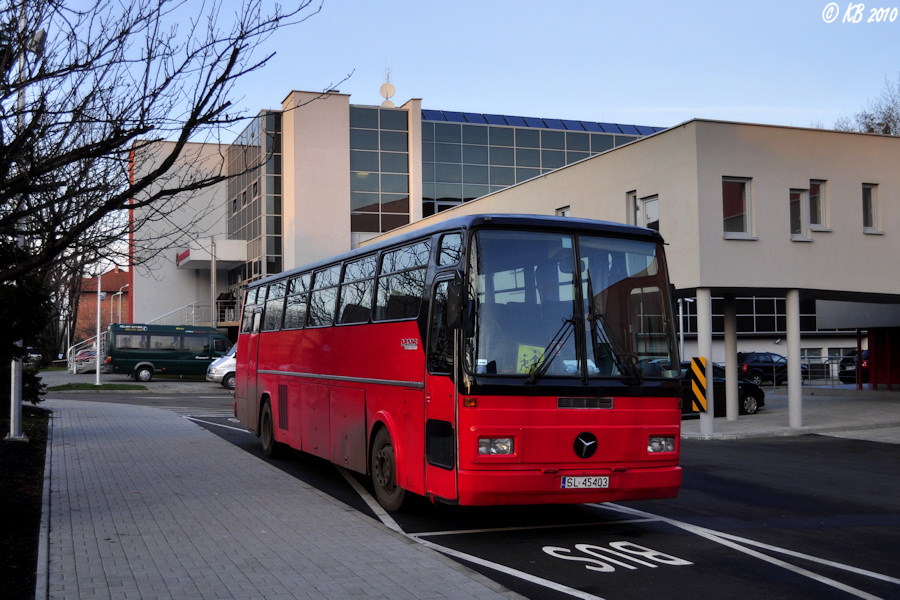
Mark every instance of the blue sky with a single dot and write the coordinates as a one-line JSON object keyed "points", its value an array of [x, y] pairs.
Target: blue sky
{"points": [[640, 62]]}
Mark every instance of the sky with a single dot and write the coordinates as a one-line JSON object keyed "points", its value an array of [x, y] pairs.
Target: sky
{"points": [[636, 62]]}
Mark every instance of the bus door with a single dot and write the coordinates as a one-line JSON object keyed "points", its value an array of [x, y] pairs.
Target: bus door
{"points": [[440, 399], [251, 393]]}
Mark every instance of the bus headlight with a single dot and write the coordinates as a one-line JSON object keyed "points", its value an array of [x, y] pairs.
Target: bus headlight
{"points": [[502, 445], [659, 443]]}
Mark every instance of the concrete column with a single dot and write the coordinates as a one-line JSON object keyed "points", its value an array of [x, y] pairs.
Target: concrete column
{"points": [[704, 349], [732, 393], [795, 384]]}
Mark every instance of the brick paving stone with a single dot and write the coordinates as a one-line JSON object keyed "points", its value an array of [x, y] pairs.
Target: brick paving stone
{"points": [[146, 504]]}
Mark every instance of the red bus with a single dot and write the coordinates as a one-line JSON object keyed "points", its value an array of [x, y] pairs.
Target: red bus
{"points": [[488, 359]]}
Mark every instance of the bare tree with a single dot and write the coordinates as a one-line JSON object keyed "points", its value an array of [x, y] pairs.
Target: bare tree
{"points": [[882, 115], [83, 92]]}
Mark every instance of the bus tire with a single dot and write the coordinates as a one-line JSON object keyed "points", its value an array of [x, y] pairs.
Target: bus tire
{"points": [[143, 374], [384, 472], [270, 447]]}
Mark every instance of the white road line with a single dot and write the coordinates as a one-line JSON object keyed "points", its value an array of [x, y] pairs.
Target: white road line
{"points": [[196, 420], [529, 527], [373, 505], [557, 587], [815, 559], [390, 523], [720, 538]]}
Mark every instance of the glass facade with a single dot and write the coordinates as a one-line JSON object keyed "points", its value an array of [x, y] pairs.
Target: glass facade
{"points": [[379, 169], [761, 316], [254, 198], [466, 156]]}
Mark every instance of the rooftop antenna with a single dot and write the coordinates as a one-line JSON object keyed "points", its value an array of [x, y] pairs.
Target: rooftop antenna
{"points": [[387, 91]]}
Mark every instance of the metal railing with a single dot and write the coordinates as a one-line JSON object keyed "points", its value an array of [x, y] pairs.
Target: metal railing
{"points": [[197, 313], [88, 344]]}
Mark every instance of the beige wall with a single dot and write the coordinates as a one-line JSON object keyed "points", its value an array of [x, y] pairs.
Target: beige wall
{"points": [[158, 285], [684, 166], [778, 159], [316, 186]]}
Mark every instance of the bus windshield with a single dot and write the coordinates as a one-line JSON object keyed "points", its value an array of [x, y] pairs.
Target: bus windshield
{"points": [[568, 305]]}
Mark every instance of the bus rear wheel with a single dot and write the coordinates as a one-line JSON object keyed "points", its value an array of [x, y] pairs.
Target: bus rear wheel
{"points": [[384, 473], [270, 447]]}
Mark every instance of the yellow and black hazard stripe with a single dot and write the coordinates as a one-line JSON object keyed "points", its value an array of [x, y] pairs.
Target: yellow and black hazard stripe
{"points": [[698, 384]]}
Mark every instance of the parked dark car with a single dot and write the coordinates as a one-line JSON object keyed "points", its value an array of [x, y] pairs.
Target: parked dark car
{"points": [[766, 366], [751, 397], [848, 365]]}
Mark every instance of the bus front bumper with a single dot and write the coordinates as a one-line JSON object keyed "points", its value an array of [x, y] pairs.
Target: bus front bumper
{"points": [[481, 488]]}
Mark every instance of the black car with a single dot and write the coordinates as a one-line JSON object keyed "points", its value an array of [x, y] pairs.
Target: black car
{"points": [[766, 366], [750, 396], [848, 365]]}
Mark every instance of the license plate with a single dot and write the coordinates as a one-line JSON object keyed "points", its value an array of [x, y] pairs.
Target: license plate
{"points": [[584, 483]]}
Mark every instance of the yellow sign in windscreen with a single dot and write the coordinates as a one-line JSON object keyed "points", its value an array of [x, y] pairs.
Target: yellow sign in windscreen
{"points": [[529, 357]]}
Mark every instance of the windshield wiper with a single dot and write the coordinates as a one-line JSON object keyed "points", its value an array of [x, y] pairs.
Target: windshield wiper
{"points": [[553, 348], [626, 362]]}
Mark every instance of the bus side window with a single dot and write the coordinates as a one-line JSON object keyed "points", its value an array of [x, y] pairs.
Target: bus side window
{"points": [[402, 282], [440, 343], [449, 249], [295, 308]]}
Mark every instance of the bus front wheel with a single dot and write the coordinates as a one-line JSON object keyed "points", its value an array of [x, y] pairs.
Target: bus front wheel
{"points": [[384, 473], [267, 432]]}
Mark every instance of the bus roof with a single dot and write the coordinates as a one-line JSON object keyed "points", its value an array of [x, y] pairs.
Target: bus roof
{"points": [[480, 220]]}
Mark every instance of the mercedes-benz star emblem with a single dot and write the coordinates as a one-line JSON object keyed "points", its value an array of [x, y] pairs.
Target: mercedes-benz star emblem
{"points": [[585, 444]]}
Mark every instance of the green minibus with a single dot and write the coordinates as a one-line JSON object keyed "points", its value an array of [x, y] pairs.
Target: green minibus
{"points": [[142, 351]]}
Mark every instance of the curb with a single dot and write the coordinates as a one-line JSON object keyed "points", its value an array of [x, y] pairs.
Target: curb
{"points": [[41, 584]]}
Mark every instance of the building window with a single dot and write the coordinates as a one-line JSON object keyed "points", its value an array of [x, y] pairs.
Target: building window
{"points": [[646, 211], [870, 208], [799, 204], [736, 208], [379, 166], [565, 211], [818, 208]]}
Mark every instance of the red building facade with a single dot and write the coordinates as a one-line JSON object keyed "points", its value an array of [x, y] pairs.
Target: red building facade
{"points": [[114, 308]]}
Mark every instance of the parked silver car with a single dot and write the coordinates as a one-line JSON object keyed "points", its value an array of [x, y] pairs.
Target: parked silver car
{"points": [[222, 369]]}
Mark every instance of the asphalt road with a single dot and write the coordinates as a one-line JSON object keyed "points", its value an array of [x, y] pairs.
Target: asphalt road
{"points": [[798, 517]]}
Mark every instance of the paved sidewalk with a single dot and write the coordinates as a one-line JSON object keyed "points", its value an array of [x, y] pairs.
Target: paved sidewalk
{"points": [[144, 504], [865, 414]]}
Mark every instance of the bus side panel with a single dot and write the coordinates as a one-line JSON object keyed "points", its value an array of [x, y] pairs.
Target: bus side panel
{"points": [[314, 419], [347, 420]]}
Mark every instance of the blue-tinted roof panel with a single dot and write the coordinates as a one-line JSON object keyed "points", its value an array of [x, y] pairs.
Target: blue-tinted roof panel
{"points": [[432, 115], [536, 123], [456, 117], [515, 121], [554, 124]]}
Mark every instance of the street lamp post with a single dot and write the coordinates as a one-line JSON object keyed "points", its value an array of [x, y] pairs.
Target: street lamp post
{"points": [[119, 294], [100, 297], [35, 44]]}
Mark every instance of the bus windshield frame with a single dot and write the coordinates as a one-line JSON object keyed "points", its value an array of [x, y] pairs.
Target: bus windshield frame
{"points": [[567, 305]]}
